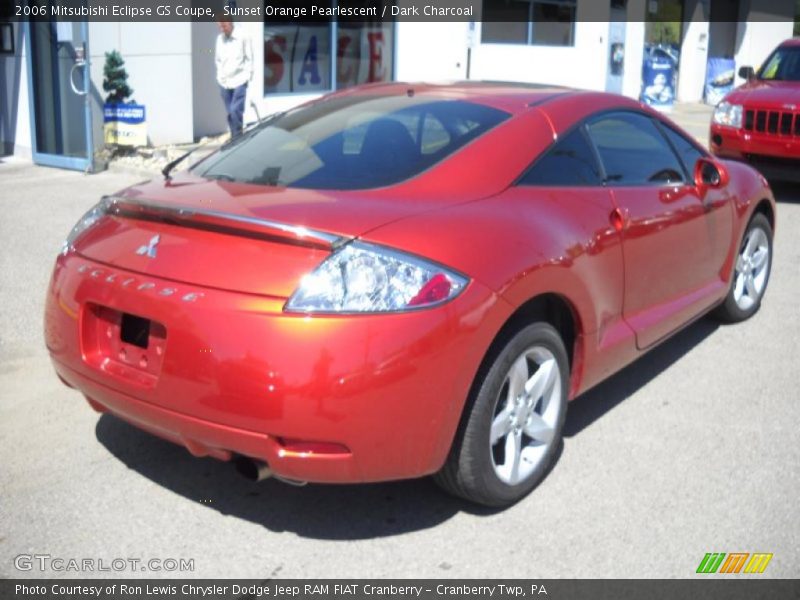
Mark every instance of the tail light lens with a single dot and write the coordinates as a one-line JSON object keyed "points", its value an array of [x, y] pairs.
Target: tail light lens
{"points": [[366, 278], [91, 217]]}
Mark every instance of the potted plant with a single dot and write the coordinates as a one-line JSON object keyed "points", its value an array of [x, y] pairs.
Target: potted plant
{"points": [[123, 119]]}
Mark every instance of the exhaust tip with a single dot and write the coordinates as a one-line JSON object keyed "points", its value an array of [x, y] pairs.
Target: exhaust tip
{"points": [[254, 470]]}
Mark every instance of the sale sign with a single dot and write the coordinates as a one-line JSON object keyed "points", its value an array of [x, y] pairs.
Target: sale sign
{"points": [[363, 56], [297, 59]]}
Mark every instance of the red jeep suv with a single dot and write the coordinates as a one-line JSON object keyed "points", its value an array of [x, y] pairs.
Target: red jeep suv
{"points": [[759, 122]]}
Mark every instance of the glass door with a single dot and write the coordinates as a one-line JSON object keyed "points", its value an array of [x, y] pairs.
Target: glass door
{"points": [[663, 36], [617, 27], [58, 72]]}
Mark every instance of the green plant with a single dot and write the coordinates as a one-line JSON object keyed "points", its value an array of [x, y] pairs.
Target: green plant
{"points": [[115, 79]]}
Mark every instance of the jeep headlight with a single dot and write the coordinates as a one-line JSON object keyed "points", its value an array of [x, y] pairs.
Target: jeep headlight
{"points": [[728, 114]]}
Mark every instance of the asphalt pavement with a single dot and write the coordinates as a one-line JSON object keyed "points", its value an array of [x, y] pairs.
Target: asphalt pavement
{"points": [[693, 449]]}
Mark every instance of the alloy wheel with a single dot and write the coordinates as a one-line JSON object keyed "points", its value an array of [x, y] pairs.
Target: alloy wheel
{"points": [[526, 414], [752, 267]]}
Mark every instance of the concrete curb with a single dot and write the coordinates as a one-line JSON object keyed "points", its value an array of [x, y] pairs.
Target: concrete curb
{"points": [[136, 171]]}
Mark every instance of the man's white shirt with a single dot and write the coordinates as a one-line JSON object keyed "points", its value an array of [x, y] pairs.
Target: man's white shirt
{"points": [[234, 58]]}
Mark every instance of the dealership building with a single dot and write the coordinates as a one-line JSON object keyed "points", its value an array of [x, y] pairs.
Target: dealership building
{"points": [[51, 100]]}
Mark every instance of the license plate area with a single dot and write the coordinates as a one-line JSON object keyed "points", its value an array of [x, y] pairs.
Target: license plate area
{"points": [[135, 331], [124, 345]]}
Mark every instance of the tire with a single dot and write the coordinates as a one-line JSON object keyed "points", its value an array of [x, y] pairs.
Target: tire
{"points": [[512, 431], [750, 274]]}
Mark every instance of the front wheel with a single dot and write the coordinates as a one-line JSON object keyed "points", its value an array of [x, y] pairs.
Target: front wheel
{"points": [[751, 272], [509, 438]]}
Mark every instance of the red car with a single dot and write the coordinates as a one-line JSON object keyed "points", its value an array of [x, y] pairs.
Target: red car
{"points": [[759, 122], [401, 280]]}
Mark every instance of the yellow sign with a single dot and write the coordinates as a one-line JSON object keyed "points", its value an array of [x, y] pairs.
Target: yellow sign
{"points": [[125, 124]]}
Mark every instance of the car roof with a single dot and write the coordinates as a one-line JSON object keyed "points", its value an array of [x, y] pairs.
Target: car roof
{"points": [[562, 106], [511, 97]]}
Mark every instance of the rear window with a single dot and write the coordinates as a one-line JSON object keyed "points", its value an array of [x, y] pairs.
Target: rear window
{"points": [[350, 143]]}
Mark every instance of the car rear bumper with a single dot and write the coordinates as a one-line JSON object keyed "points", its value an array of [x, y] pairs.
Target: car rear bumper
{"points": [[206, 438], [777, 157], [326, 399]]}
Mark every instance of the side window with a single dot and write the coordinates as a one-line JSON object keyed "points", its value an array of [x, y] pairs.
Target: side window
{"points": [[688, 152], [633, 151], [570, 162]]}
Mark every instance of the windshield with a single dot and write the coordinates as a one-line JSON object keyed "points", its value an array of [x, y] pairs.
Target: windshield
{"points": [[782, 65], [352, 142]]}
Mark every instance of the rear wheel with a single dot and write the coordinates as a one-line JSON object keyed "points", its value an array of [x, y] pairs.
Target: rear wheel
{"points": [[751, 272], [507, 443]]}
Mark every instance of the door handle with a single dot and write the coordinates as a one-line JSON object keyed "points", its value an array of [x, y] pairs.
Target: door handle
{"points": [[77, 65], [619, 218]]}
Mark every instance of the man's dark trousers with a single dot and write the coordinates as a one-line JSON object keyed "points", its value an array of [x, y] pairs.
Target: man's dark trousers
{"points": [[234, 106]]}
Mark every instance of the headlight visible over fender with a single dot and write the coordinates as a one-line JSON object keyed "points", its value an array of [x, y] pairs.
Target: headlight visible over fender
{"points": [[366, 278]]}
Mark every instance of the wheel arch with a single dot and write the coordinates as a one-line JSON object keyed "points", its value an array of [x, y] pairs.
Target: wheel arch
{"points": [[764, 207], [745, 214], [548, 307]]}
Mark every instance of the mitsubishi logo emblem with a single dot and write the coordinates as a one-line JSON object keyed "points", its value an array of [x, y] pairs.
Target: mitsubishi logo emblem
{"points": [[149, 249]]}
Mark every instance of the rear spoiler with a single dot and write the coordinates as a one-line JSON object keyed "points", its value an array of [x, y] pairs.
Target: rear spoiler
{"points": [[221, 222]]}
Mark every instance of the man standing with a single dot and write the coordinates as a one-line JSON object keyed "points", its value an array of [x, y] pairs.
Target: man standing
{"points": [[234, 59]]}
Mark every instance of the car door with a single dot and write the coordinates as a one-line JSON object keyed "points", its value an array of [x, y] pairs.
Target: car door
{"points": [[716, 201], [667, 241], [565, 191]]}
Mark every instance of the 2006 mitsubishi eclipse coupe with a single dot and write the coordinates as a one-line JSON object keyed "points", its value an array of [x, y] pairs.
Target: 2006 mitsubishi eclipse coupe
{"points": [[400, 280]]}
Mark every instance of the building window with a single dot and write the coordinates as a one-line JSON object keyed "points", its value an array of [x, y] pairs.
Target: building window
{"points": [[532, 22], [298, 57], [364, 53], [6, 38]]}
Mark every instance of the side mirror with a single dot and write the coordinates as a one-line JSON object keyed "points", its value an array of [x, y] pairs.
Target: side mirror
{"points": [[709, 174], [747, 73]]}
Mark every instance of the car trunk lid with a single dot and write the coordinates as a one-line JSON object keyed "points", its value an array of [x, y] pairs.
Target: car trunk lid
{"points": [[230, 236]]}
